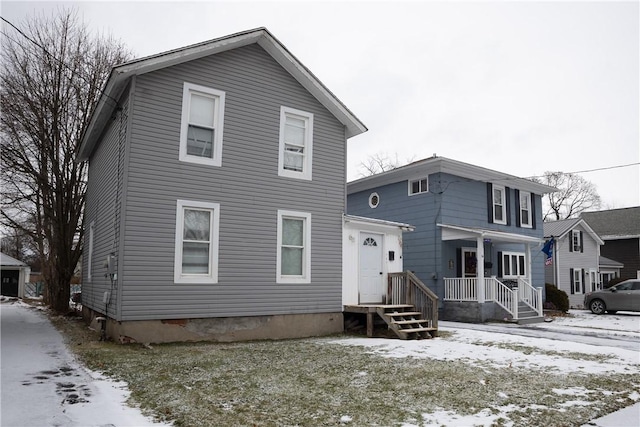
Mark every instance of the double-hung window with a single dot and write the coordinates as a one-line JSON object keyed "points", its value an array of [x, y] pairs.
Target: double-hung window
{"points": [[418, 186], [576, 241], [296, 143], [499, 205], [202, 123], [577, 280], [294, 247], [196, 251], [525, 209], [513, 265]]}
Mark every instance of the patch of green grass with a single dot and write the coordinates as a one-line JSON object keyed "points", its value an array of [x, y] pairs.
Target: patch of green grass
{"points": [[315, 382], [535, 350]]}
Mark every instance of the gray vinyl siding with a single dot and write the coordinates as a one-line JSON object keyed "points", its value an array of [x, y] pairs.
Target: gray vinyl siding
{"points": [[451, 200], [246, 186], [103, 204], [588, 259]]}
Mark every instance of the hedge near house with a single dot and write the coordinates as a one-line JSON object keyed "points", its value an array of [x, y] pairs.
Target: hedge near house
{"points": [[557, 297]]}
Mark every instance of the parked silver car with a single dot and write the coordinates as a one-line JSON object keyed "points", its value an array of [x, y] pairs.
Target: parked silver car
{"points": [[625, 296]]}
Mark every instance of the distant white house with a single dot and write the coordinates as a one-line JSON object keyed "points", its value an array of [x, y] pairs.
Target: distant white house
{"points": [[576, 258], [15, 274]]}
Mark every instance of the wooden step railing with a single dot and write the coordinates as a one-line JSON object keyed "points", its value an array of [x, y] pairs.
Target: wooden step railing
{"points": [[406, 288]]}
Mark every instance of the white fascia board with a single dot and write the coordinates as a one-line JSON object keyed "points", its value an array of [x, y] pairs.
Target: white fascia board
{"points": [[121, 73], [379, 222], [455, 232]]}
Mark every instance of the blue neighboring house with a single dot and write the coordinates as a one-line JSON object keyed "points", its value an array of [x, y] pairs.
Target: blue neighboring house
{"points": [[478, 234]]}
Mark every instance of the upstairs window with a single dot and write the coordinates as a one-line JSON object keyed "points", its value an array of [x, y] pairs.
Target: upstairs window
{"points": [[196, 251], [294, 247], [499, 205], [525, 209], [296, 143], [576, 244], [418, 186], [202, 123]]}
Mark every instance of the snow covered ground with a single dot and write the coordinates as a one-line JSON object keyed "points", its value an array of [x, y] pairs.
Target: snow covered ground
{"points": [[613, 341], [43, 384]]}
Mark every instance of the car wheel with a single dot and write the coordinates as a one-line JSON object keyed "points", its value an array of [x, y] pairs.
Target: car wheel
{"points": [[612, 311], [597, 306]]}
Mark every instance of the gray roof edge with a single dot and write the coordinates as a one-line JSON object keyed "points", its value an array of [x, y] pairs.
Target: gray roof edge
{"points": [[609, 262], [120, 75], [571, 223], [454, 167], [7, 260]]}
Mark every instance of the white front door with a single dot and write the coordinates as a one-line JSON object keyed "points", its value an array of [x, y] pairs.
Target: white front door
{"points": [[371, 278]]}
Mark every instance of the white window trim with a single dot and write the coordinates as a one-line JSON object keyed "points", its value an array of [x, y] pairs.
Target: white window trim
{"points": [[511, 275], [577, 279], [212, 276], [308, 147], [575, 233], [529, 219], [90, 257], [218, 122], [421, 191], [371, 197], [503, 221], [306, 257]]}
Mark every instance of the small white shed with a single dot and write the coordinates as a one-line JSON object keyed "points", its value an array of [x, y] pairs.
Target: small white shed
{"points": [[371, 248], [14, 275]]}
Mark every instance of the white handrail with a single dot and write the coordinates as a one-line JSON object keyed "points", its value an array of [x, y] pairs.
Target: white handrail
{"points": [[530, 295]]}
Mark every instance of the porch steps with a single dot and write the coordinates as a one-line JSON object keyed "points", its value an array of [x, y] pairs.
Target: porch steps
{"points": [[526, 315], [406, 322]]}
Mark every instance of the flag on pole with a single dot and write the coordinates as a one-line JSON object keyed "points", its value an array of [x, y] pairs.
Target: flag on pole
{"points": [[548, 250]]}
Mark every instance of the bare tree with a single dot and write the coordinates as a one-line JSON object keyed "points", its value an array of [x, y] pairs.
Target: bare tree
{"points": [[381, 162], [575, 195], [52, 74]]}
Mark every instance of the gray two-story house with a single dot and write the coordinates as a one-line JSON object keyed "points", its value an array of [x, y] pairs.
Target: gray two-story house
{"points": [[215, 197], [477, 238], [574, 266]]}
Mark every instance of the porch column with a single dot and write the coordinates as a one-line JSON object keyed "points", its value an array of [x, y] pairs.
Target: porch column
{"points": [[480, 267], [527, 261]]}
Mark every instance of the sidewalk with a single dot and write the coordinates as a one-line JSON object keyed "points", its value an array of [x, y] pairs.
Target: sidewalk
{"points": [[629, 416], [43, 384]]}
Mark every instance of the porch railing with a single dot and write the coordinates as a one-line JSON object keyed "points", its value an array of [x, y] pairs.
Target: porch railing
{"points": [[459, 289], [530, 295], [406, 288], [502, 295]]}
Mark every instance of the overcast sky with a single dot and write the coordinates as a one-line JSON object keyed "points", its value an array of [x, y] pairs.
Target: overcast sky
{"points": [[519, 87]]}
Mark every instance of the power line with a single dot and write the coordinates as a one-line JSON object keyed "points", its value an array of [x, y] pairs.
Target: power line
{"points": [[73, 72], [593, 170]]}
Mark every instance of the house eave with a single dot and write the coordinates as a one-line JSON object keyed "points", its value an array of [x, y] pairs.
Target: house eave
{"points": [[436, 164], [365, 220], [121, 74], [455, 232]]}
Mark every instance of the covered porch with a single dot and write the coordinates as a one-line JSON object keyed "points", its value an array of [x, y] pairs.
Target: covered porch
{"points": [[483, 290]]}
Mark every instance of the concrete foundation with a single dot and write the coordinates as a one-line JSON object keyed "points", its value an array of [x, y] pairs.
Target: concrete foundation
{"points": [[472, 312], [220, 329]]}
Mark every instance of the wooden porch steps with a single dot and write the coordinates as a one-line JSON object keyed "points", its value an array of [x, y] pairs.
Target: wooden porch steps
{"points": [[406, 322]]}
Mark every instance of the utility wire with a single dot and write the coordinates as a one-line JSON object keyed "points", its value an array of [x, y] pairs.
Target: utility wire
{"points": [[73, 72]]}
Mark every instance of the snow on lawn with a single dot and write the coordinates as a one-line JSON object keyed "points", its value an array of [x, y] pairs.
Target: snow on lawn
{"points": [[506, 349], [623, 323]]}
